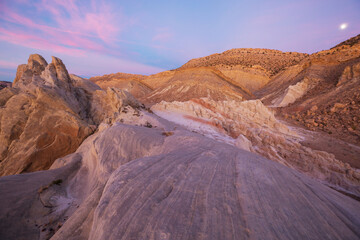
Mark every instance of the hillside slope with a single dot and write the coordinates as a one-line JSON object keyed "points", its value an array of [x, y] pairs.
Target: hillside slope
{"points": [[132, 83], [196, 83], [321, 93]]}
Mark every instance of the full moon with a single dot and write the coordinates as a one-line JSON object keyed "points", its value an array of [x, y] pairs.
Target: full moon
{"points": [[343, 26]]}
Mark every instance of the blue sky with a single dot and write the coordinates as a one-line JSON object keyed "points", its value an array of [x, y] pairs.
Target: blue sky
{"points": [[145, 37]]}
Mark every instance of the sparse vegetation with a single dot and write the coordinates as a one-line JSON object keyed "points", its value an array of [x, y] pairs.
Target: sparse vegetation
{"points": [[55, 182], [167, 133], [148, 125]]}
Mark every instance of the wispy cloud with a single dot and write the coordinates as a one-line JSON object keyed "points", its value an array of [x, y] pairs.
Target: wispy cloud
{"points": [[7, 64], [72, 31], [33, 41]]}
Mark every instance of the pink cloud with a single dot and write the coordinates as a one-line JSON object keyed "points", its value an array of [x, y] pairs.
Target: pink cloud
{"points": [[86, 33], [74, 32], [33, 41], [98, 20], [7, 64]]}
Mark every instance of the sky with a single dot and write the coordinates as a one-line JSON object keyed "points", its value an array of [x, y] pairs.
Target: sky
{"points": [[149, 36]]}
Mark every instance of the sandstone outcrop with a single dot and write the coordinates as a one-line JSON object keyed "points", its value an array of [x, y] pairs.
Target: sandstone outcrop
{"points": [[48, 114], [251, 125], [132, 182], [294, 92]]}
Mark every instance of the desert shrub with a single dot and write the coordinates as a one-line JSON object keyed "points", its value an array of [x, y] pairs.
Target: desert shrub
{"points": [[167, 133], [57, 182]]}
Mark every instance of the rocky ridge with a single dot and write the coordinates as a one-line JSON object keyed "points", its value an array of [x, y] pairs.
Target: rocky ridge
{"points": [[270, 61], [250, 69], [132, 83], [195, 83], [47, 114]]}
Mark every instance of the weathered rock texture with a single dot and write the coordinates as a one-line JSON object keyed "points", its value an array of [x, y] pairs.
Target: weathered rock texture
{"points": [[48, 114], [132, 182], [262, 133], [322, 92]]}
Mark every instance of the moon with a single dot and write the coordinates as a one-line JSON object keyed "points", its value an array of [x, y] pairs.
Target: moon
{"points": [[343, 26]]}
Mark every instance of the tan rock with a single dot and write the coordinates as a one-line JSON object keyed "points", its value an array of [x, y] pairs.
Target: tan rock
{"points": [[314, 108], [268, 137], [96, 192], [132, 83], [48, 115], [196, 83], [337, 106]]}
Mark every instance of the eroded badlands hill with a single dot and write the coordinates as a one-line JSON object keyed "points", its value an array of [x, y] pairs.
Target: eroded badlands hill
{"points": [[322, 92], [250, 69], [132, 83], [195, 83]]}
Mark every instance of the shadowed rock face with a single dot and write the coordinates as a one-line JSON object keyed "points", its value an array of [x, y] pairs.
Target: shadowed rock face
{"points": [[131, 182], [47, 115]]}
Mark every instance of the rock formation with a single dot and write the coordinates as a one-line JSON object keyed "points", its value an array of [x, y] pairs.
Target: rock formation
{"points": [[262, 133], [48, 114], [133, 182]]}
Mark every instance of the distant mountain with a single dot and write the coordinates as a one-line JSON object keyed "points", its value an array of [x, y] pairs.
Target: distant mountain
{"points": [[4, 84]]}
